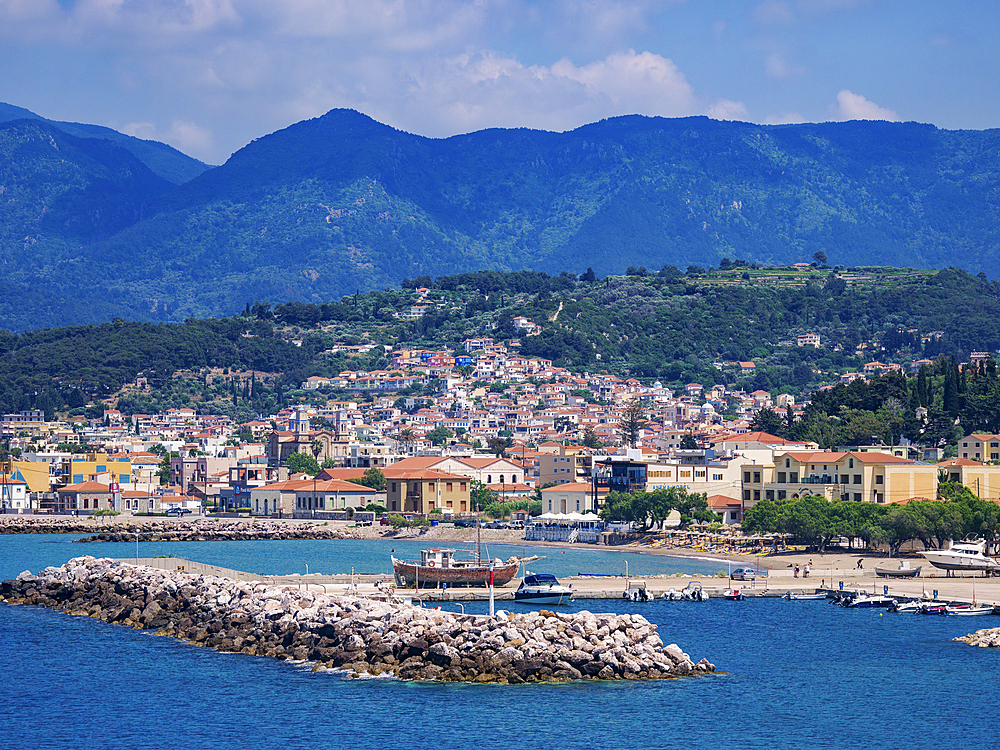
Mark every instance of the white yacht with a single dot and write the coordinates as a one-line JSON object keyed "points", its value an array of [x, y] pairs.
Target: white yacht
{"points": [[542, 588], [966, 555]]}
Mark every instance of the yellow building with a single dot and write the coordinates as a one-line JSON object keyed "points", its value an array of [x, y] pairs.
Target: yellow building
{"points": [[34, 473], [97, 467], [423, 490], [983, 480], [853, 475]]}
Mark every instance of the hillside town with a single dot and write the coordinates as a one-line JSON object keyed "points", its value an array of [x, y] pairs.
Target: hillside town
{"points": [[511, 426]]}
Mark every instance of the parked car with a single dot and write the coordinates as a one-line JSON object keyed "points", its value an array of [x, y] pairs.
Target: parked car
{"points": [[177, 511], [465, 523], [747, 574], [496, 525]]}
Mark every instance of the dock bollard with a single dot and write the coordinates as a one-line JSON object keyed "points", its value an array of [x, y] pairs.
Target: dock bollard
{"points": [[885, 590], [841, 585]]}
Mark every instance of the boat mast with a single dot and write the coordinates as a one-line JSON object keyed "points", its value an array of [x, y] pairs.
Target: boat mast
{"points": [[479, 527]]}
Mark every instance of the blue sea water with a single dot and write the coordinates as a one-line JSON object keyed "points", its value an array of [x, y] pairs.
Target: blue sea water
{"points": [[793, 674]]}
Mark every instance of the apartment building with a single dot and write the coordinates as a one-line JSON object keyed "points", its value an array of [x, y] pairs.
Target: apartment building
{"points": [[853, 475]]}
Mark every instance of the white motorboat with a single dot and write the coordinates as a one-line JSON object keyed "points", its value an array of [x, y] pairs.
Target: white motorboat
{"points": [[542, 588], [969, 610], [967, 555], [871, 601], [804, 596]]}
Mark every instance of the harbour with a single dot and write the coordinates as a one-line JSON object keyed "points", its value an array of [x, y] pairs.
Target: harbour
{"points": [[807, 666]]}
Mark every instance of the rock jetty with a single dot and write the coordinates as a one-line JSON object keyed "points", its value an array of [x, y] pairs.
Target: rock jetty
{"points": [[201, 530], [355, 634], [985, 638]]}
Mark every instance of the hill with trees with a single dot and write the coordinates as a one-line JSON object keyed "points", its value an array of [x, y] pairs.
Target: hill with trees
{"points": [[341, 203]]}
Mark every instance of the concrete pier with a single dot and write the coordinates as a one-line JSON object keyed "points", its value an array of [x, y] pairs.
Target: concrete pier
{"points": [[777, 584]]}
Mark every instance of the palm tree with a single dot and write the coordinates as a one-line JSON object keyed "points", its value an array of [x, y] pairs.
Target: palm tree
{"points": [[406, 438], [317, 448]]}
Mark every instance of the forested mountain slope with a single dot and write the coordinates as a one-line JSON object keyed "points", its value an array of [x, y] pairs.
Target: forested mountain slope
{"points": [[342, 203]]}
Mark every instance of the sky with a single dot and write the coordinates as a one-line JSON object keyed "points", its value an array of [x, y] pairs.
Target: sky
{"points": [[209, 76]]}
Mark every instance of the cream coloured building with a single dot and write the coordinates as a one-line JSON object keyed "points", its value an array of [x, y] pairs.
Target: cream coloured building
{"points": [[862, 477]]}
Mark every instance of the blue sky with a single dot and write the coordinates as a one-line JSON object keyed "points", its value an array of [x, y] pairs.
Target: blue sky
{"points": [[208, 76]]}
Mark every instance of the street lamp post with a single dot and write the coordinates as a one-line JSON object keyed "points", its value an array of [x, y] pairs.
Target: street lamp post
{"points": [[503, 501]]}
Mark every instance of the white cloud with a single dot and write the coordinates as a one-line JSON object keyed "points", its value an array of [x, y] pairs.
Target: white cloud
{"points": [[724, 109], [786, 118], [188, 137], [851, 106]]}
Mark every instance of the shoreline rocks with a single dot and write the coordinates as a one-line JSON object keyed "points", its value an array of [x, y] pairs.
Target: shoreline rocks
{"points": [[356, 634], [200, 530], [985, 638]]}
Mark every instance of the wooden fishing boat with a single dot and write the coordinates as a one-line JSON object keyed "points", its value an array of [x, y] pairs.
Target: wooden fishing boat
{"points": [[438, 567]]}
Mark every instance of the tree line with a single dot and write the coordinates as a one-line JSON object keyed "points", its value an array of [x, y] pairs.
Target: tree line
{"points": [[816, 521], [648, 509]]}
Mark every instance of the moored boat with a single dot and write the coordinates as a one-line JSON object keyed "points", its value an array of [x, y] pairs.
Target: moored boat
{"points": [[969, 610], [733, 595], [871, 601], [542, 588], [440, 567], [804, 596]]}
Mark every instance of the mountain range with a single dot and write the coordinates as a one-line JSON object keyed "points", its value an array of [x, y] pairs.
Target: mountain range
{"points": [[95, 224]]}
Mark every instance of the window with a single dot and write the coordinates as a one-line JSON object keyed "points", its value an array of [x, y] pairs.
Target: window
{"points": [[769, 495], [489, 479], [448, 486], [781, 477], [850, 463], [857, 479], [793, 478], [717, 477], [781, 494], [393, 486], [756, 477], [788, 463], [994, 456], [857, 497], [878, 479], [746, 477], [756, 496], [430, 486], [461, 487], [746, 495]]}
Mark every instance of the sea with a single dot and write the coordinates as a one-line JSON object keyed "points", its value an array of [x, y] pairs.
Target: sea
{"points": [[791, 674]]}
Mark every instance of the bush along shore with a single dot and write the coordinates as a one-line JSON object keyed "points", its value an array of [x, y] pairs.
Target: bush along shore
{"points": [[175, 531], [357, 635], [985, 638]]}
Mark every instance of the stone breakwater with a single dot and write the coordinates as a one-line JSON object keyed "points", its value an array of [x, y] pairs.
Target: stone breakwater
{"points": [[355, 634], [176, 531], [985, 638]]}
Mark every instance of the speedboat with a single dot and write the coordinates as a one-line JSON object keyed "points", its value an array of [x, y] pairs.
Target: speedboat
{"points": [[694, 592], [733, 595], [967, 555], [911, 607], [871, 601], [542, 588]]}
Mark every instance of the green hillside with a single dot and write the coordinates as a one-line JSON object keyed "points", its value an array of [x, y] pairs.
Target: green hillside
{"points": [[666, 326], [164, 161], [342, 203]]}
